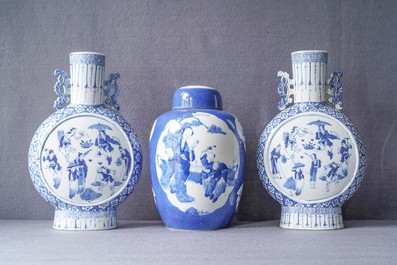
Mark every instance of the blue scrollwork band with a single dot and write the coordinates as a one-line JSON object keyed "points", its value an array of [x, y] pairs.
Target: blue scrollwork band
{"points": [[61, 89], [112, 91], [309, 57], [336, 89], [282, 90], [87, 58]]}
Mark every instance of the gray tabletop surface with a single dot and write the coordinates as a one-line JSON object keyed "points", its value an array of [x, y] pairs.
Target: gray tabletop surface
{"points": [[149, 242]]}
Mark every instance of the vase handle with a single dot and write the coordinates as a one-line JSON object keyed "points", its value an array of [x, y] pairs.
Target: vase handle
{"points": [[284, 90], [112, 91], [61, 89], [335, 89]]}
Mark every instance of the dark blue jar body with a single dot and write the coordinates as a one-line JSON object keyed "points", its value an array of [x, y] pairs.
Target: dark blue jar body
{"points": [[197, 154]]}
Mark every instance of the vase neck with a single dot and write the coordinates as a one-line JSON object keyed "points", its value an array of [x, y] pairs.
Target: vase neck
{"points": [[309, 70], [86, 78]]}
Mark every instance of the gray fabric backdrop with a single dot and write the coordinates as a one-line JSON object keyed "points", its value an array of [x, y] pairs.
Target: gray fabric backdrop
{"points": [[235, 46]]}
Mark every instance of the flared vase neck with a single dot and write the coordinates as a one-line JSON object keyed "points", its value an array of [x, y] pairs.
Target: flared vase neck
{"points": [[309, 76], [86, 78]]}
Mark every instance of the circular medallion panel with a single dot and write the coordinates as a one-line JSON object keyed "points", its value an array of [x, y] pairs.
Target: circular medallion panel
{"points": [[86, 160], [311, 157]]}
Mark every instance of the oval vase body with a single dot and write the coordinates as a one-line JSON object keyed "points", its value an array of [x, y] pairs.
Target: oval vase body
{"points": [[197, 158], [310, 157], [85, 159]]}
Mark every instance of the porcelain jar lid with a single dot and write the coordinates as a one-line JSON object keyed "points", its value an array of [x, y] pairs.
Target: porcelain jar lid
{"points": [[197, 97]]}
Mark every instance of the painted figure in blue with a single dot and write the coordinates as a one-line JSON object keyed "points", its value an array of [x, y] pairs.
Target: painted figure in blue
{"points": [[344, 151], [332, 174], [54, 166], [295, 183], [325, 138], [105, 177], [176, 171], [104, 142], [168, 164], [77, 175], [218, 180], [290, 138], [124, 161], [215, 177], [65, 139], [299, 178], [185, 154], [65, 142], [206, 162], [275, 155], [315, 165], [290, 141]]}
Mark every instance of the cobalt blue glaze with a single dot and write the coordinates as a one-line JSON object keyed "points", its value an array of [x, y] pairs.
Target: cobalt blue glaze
{"points": [[197, 155], [197, 97]]}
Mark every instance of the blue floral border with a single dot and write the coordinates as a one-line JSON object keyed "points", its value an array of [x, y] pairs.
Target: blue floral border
{"points": [[309, 57], [87, 58], [305, 108], [40, 137]]}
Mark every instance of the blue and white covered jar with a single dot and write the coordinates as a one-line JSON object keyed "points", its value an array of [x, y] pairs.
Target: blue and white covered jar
{"points": [[197, 154], [310, 157], [85, 159]]}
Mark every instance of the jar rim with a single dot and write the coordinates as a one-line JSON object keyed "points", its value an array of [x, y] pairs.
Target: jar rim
{"points": [[310, 51], [196, 86], [94, 53]]}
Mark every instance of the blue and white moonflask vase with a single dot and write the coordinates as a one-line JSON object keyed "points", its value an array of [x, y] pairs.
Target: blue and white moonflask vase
{"points": [[197, 154], [85, 159], [310, 157]]}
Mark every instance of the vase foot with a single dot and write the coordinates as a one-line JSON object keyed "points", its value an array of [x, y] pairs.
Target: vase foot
{"points": [[70, 220], [311, 218]]}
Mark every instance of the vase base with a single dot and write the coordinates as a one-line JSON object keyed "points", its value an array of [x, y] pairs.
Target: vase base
{"points": [[84, 221], [311, 218]]}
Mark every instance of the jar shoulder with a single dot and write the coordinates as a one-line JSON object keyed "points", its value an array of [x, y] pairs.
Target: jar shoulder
{"points": [[172, 114], [214, 121], [197, 114]]}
